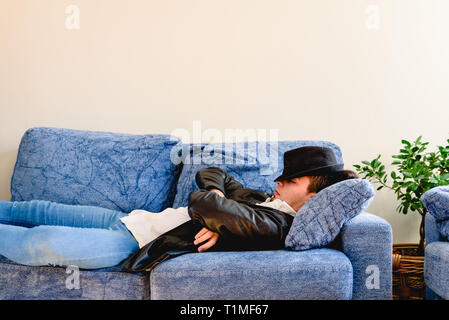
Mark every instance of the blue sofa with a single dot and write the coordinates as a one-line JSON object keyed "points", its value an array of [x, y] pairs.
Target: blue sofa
{"points": [[436, 257], [152, 172]]}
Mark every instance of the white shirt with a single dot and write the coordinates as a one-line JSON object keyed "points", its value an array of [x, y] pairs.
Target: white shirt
{"points": [[146, 226], [278, 204]]}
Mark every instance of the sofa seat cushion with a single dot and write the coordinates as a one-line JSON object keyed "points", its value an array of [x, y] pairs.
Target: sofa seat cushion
{"points": [[278, 274], [20, 282], [319, 221], [436, 268]]}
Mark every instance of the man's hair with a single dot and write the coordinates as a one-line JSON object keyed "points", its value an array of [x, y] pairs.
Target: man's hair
{"points": [[318, 183]]}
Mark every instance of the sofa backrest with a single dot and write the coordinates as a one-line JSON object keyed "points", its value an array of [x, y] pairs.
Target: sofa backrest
{"points": [[111, 170], [126, 171], [254, 164]]}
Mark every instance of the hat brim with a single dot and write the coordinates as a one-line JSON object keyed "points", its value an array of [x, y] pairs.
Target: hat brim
{"points": [[320, 171]]}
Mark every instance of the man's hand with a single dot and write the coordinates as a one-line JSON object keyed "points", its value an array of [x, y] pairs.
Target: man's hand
{"points": [[205, 235], [217, 192]]}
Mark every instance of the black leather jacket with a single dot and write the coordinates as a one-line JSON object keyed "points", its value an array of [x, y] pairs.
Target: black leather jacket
{"points": [[240, 223]]}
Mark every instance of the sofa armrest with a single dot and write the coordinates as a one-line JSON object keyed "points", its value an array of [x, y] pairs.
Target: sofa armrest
{"points": [[367, 241], [431, 230], [437, 249]]}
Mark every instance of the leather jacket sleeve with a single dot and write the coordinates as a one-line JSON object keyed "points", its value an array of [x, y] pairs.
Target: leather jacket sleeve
{"points": [[173, 243], [216, 178], [240, 222], [240, 225]]}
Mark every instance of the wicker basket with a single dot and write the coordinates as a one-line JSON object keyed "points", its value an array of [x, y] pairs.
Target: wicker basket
{"points": [[408, 273]]}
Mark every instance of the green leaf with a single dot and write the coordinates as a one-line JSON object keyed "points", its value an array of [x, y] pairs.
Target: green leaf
{"points": [[405, 208], [433, 180], [406, 143], [374, 163], [407, 175]]}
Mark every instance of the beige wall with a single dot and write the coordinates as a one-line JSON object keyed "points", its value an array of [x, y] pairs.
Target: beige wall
{"points": [[363, 74]]}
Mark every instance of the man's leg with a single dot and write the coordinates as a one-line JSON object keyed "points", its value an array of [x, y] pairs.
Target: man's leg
{"points": [[86, 248], [42, 212]]}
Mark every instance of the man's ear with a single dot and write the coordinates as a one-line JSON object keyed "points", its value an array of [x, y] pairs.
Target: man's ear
{"points": [[310, 195]]}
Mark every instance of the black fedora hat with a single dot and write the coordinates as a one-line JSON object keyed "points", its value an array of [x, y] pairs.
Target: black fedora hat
{"points": [[309, 161]]}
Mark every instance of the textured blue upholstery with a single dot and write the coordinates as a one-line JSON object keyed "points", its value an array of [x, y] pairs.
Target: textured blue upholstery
{"points": [[436, 266], [367, 240], [126, 172], [111, 170], [18, 282], [280, 274], [319, 221], [436, 260], [436, 201], [431, 230]]}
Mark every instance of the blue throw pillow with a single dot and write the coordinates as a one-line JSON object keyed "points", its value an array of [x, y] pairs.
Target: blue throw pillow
{"points": [[436, 201], [320, 219]]}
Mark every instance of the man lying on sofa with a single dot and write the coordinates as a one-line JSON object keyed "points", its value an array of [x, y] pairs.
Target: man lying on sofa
{"points": [[223, 215]]}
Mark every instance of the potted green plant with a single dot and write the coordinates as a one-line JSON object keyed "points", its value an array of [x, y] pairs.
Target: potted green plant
{"points": [[417, 171]]}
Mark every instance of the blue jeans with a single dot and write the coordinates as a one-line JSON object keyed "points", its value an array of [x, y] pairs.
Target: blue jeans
{"points": [[40, 232]]}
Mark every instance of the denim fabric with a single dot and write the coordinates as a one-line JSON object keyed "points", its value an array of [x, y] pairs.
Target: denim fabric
{"points": [[40, 232], [264, 275], [319, 221], [254, 164], [367, 240], [111, 170]]}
